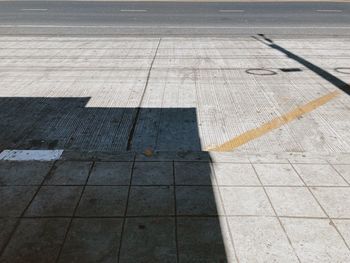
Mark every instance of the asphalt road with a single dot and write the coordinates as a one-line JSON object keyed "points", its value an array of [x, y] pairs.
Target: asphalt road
{"points": [[174, 19]]}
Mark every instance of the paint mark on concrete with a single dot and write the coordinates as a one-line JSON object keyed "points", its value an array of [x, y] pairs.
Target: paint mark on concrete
{"points": [[133, 10], [34, 9], [231, 11], [30, 155], [329, 10], [274, 124]]}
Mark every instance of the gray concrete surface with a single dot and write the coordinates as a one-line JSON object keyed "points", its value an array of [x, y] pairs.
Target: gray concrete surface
{"points": [[109, 146], [218, 207], [282, 196], [174, 19], [172, 94]]}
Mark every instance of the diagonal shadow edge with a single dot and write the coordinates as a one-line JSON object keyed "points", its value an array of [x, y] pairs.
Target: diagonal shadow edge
{"points": [[316, 69]]}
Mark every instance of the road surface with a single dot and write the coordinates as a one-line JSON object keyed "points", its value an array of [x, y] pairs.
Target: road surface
{"points": [[174, 19]]}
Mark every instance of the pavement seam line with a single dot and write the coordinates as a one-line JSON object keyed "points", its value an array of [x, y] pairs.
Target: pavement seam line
{"points": [[319, 203], [72, 217], [138, 109], [22, 215], [276, 214], [274, 123]]}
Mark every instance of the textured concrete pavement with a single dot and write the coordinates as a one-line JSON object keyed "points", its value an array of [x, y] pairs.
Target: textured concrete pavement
{"points": [[103, 149], [174, 94]]}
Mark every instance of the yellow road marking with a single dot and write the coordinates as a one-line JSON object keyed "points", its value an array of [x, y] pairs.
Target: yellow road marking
{"points": [[274, 124]]}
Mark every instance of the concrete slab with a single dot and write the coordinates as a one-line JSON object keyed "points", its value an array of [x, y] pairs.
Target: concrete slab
{"points": [[151, 201], [134, 118], [110, 173], [319, 175], [99, 201], [92, 240], [69, 173], [277, 174], [15, 199], [260, 238], [237, 219], [294, 201], [23, 173], [148, 239], [55, 201], [36, 240], [335, 201], [316, 240], [229, 174], [191, 99], [246, 201], [200, 240]]}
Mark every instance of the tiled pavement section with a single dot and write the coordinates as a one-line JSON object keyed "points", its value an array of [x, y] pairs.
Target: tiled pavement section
{"points": [[176, 207]]}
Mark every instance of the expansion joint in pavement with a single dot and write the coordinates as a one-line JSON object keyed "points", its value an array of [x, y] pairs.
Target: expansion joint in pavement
{"points": [[132, 130]]}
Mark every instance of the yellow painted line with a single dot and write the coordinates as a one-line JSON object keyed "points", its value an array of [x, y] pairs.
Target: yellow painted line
{"points": [[274, 124]]}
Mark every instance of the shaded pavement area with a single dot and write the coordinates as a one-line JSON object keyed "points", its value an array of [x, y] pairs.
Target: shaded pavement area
{"points": [[133, 119]]}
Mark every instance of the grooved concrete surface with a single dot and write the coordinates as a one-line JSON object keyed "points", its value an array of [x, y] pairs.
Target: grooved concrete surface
{"points": [[133, 118], [114, 94]]}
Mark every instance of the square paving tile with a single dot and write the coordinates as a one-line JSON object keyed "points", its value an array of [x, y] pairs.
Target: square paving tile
{"points": [[260, 239], [198, 200], [193, 173], [344, 170], [335, 200], [14, 199], [201, 240], [103, 201], [6, 227], [319, 175], [153, 173], [316, 240], [245, 201], [343, 226], [55, 201], [111, 173], [148, 239], [235, 174], [151, 200], [294, 201], [277, 174], [92, 240], [36, 241], [23, 173], [69, 173]]}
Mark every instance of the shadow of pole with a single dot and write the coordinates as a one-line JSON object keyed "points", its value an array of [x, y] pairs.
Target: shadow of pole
{"points": [[319, 71]]}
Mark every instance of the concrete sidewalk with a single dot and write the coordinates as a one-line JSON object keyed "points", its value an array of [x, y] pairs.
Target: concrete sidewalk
{"points": [[174, 149], [175, 94], [176, 207]]}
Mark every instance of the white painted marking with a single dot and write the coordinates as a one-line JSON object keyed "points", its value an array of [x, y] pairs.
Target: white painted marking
{"points": [[329, 10], [177, 27], [33, 9], [231, 11], [133, 10], [30, 155]]}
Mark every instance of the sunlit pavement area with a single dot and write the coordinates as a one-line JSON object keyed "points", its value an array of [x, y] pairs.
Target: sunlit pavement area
{"points": [[174, 149]]}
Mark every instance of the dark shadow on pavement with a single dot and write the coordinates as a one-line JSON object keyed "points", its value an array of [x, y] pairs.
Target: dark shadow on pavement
{"points": [[146, 209], [319, 71]]}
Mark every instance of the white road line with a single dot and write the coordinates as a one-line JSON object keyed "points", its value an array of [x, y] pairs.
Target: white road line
{"points": [[329, 10], [133, 10], [231, 11], [30, 155], [176, 27], [34, 9]]}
